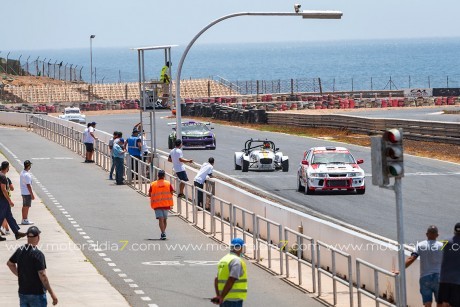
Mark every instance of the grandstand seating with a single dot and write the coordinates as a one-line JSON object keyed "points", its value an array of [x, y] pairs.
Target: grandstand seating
{"points": [[114, 91]]}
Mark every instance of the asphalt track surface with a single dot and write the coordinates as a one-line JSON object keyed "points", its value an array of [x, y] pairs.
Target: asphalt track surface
{"points": [[116, 229], [430, 187]]}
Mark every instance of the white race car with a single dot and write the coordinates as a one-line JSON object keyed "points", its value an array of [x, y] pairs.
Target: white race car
{"points": [[330, 168], [73, 114], [260, 155]]}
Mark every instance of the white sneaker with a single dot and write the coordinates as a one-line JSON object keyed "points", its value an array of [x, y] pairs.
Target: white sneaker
{"points": [[2, 231], [27, 222], [7, 232]]}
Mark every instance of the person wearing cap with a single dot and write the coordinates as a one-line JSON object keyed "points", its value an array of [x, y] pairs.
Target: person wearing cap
{"points": [[177, 158], [29, 265], [449, 287], [25, 182], [134, 144], [430, 253], [231, 283], [203, 174], [118, 158], [89, 138], [6, 203], [161, 200]]}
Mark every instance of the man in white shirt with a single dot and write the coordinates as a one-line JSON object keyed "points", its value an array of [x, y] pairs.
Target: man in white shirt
{"points": [[88, 139], [203, 174], [177, 158], [25, 180]]}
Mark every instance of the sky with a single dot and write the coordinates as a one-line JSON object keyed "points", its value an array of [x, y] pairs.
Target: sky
{"points": [[63, 24]]}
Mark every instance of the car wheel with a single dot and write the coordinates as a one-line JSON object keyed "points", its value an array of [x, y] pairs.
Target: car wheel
{"points": [[245, 166], [170, 143], [237, 167], [300, 187], [215, 145], [361, 191], [307, 189], [285, 165]]}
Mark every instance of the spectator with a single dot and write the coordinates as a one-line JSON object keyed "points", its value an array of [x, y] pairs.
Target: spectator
{"points": [[25, 181], [111, 142], [449, 287], [89, 139], [118, 158], [203, 174], [430, 252], [29, 265], [134, 144], [6, 203], [231, 283], [177, 158], [5, 229], [161, 201]]}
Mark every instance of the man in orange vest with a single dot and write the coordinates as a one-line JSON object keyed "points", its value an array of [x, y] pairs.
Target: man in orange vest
{"points": [[161, 200]]}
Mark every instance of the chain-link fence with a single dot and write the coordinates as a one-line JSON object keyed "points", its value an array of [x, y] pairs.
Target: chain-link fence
{"points": [[318, 85], [52, 69]]}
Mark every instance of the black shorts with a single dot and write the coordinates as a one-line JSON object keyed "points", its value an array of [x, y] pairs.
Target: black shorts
{"points": [[449, 293], [182, 175], [89, 147]]}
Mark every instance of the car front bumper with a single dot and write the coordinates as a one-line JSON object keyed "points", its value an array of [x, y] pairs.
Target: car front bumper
{"points": [[336, 183]]}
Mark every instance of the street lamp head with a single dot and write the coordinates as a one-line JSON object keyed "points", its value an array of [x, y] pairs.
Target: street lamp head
{"points": [[321, 14], [92, 36], [297, 7]]}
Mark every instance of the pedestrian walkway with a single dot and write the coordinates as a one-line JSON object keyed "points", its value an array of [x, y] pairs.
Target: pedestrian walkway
{"points": [[73, 278]]}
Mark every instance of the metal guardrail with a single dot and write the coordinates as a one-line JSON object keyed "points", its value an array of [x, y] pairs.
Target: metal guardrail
{"points": [[238, 220], [268, 241], [376, 270], [335, 277], [297, 253], [413, 129]]}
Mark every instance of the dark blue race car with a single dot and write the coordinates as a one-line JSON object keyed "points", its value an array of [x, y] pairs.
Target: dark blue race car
{"points": [[195, 135]]}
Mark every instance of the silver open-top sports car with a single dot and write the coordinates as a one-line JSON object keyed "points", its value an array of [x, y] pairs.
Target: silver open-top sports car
{"points": [[260, 155]]}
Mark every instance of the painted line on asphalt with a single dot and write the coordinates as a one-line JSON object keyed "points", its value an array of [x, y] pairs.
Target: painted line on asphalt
{"points": [[80, 230]]}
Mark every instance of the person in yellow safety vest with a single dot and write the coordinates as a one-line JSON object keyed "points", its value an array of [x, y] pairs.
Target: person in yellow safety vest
{"points": [[161, 200], [231, 283], [164, 76]]}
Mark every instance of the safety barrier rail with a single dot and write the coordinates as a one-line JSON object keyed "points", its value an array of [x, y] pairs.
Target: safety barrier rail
{"points": [[223, 216], [376, 270], [297, 253], [413, 129], [345, 280]]}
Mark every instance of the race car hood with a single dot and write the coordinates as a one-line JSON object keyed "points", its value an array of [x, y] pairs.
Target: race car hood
{"points": [[334, 168], [263, 153]]}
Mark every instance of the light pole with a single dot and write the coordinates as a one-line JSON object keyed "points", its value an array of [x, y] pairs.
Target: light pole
{"points": [[304, 14], [91, 56]]}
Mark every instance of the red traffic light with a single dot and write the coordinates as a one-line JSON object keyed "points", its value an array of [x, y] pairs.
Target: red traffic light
{"points": [[393, 135]]}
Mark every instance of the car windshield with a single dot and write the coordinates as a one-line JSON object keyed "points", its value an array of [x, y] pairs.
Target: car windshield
{"points": [[72, 111], [194, 128], [332, 157]]}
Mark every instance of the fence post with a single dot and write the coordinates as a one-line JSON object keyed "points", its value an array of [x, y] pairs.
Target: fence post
{"points": [[292, 86]]}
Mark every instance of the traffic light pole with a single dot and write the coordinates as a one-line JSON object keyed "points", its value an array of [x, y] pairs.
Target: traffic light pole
{"points": [[400, 230]]}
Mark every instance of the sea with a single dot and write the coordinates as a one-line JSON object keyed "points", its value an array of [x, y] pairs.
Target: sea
{"points": [[343, 65]]}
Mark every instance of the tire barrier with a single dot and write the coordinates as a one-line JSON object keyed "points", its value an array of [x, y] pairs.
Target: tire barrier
{"points": [[223, 112]]}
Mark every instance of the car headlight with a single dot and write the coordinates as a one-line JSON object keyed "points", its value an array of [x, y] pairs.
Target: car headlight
{"points": [[357, 174], [322, 175]]}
